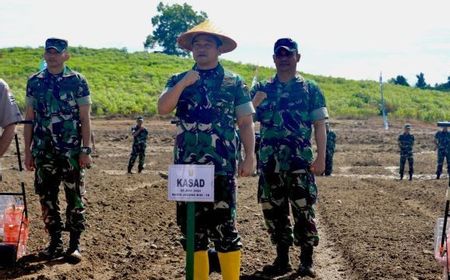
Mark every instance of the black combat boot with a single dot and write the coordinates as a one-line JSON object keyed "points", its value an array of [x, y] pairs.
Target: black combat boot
{"points": [[401, 176], [281, 265], [129, 169], [438, 175], [306, 262], [214, 264], [55, 248], [73, 254], [410, 176]]}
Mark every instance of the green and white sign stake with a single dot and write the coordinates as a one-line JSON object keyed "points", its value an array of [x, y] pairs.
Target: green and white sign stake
{"points": [[191, 183]]}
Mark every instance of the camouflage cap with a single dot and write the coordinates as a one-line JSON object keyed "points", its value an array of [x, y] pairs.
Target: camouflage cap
{"points": [[140, 118], [59, 45], [407, 125], [285, 43]]}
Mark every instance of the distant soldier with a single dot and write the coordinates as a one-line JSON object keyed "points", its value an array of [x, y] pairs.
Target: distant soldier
{"points": [[406, 143], [442, 141], [140, 135], [331, 145]]}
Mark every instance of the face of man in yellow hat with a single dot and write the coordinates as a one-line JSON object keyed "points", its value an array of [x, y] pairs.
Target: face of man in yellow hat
{"points": [[205, 50]]}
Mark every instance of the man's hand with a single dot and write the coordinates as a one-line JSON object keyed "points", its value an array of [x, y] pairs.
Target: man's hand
{"points": [[190, 78], [247, 166], [29, 161], [317, 167], [85, 161], [258, 98]]}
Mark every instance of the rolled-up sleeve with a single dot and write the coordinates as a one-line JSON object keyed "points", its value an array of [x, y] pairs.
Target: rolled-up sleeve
{"points": [[245, 109], [319, 114]]}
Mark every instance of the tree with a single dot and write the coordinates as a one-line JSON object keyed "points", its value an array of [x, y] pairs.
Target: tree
{"points": [[421, 81], [170, 22], [399, 80], [443, 86]]}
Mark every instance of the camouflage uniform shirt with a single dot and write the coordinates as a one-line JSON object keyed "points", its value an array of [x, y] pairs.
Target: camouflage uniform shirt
{"points": [[141, 138], [443, 141], [55, 100], [286, 117], [207, 113], [406, 143]]}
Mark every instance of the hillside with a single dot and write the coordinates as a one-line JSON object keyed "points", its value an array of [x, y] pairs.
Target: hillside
{"points": [[130, 83]]}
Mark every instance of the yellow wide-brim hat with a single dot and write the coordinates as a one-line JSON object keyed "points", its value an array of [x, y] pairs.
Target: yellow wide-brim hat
{"points": [[206, 27]]}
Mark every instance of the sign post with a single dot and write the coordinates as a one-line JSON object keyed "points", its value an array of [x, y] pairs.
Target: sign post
{"points": [[191, 183], [383, 110]]}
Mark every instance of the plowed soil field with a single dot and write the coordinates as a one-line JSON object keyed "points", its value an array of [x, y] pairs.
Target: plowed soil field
{"points": [[372, 225]]}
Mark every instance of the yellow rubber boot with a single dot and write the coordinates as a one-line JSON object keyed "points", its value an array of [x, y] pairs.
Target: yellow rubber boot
{"points": [[201, 265], [230, 264]]}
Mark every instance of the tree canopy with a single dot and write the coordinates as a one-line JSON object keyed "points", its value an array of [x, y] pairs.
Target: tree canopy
{"points": [[421, 81], [399, 80], [169, 23]]}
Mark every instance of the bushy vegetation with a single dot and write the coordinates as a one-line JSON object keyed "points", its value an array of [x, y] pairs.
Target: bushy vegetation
{"points": [[125, 83]]}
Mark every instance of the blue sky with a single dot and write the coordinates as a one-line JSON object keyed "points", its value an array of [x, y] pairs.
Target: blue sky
{"points": [[354, 39]]}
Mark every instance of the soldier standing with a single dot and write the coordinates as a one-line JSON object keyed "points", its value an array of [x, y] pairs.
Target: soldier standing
{"points": [[288, 107], [406, 143], [331, 145], [442, 142], [209, 101], [57, 145], [140, 135]]}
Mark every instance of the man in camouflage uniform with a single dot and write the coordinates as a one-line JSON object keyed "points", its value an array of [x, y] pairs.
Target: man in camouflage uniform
{"points": [[406, 143], [287, 107], [57, 145], [140, 135], [442, 142], [331, 145], [209, 101]]}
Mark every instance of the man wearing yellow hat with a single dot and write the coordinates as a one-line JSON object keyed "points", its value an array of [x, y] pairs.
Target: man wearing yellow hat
{"points": [[209, 102]]}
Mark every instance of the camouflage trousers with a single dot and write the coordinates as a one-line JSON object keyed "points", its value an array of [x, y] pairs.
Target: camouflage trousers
{"points": [[328, 163], [49, 174], [442, 155], [403, 159], [279, 193], [137, 151], [214, 221]]}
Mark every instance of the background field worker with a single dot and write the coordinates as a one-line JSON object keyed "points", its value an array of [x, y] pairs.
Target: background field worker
{"points": [[57, 145], [9, 116], [331, 146], [209, 101], [405, 144], [287, 108], [442, 142], [140, 134]]}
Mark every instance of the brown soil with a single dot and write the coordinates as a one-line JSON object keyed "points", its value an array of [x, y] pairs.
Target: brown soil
{"points": [[372, 225]]}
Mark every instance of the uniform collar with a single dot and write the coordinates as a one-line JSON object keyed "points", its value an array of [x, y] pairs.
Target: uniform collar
{"points": [[218, 69], [67, 72], [297, 79]]}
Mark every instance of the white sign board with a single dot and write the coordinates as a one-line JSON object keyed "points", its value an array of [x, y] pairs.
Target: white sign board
{"points": [[191, 182]]}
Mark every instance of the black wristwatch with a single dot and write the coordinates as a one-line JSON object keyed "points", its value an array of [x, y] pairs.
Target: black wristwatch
{"points": [[86, 150]]}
